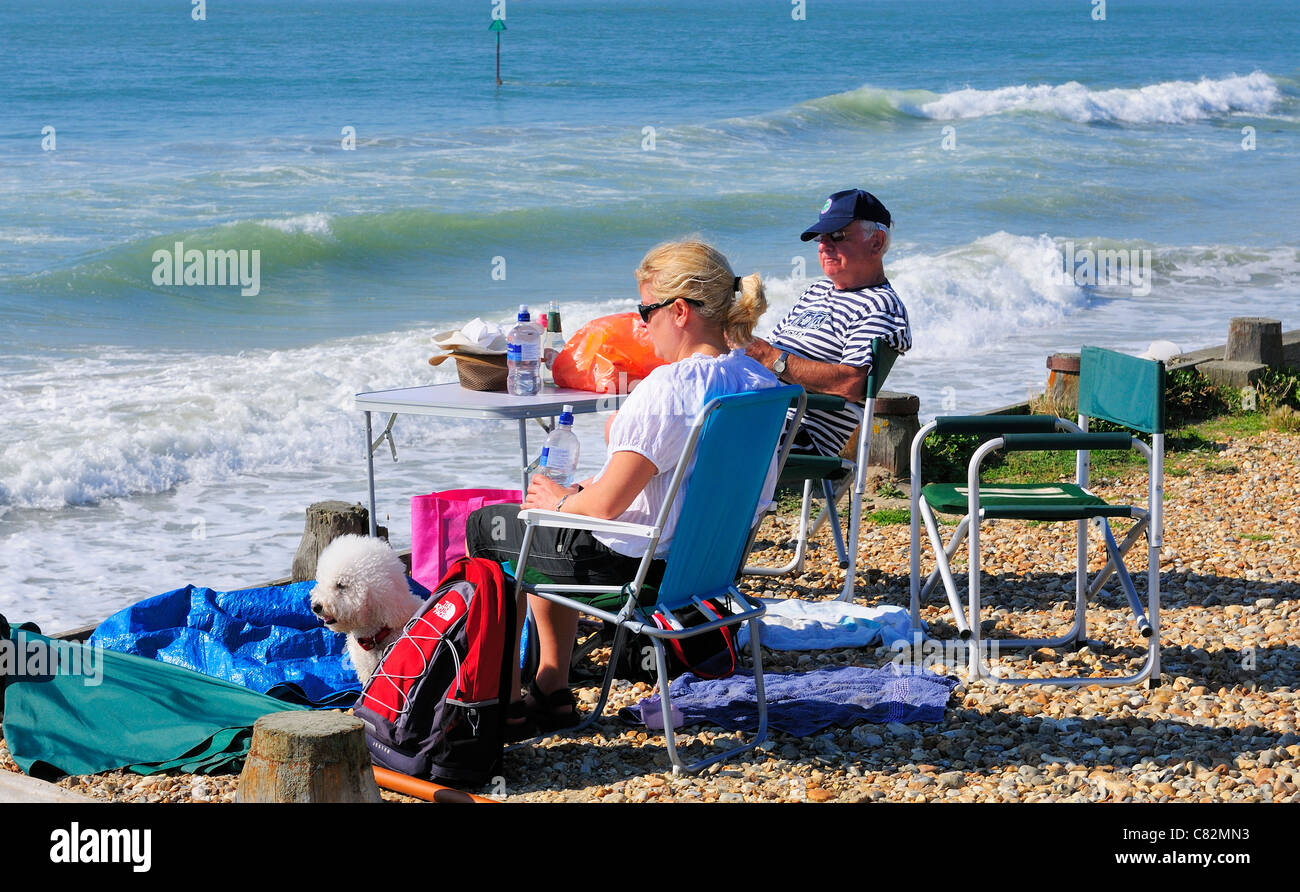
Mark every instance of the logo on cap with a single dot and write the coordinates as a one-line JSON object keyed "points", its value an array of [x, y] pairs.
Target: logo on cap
{"points": [[827, 206]]}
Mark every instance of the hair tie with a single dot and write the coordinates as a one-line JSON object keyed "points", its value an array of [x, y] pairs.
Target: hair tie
{"points": [[735, 285]]}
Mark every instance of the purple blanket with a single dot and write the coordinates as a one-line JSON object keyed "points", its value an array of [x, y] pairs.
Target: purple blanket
{"points": [[805, 703]]}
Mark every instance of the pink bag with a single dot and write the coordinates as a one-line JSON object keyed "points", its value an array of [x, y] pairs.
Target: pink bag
{"points": [[438, 528]]}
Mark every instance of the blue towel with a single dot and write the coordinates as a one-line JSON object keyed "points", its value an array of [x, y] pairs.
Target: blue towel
{"points": [[266, 639], [805, 703]]}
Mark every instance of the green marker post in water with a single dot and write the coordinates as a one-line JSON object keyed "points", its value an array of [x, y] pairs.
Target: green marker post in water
{"points": [[498, 25]]}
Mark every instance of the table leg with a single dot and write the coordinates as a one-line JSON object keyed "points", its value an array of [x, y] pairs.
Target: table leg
{"points": [[370, 477], [523, 455]]}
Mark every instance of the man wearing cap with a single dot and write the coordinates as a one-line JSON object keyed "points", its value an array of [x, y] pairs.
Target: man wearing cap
{"points": [[824, 342]]}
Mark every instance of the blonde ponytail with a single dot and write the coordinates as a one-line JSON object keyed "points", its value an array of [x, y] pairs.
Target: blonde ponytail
{"points": [[746, 309]]}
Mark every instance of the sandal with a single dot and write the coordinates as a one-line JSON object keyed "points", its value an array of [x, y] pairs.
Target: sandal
{"points": [[554, 711], [519, 724]]}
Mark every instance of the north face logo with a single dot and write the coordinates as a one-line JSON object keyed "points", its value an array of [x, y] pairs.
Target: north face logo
{"points": [[444, 610]]}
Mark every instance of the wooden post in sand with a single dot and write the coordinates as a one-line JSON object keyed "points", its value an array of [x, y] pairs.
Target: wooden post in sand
{"points": [[326, 521], [1063, 384], [1254, 345], [893, 427], [1254, 339], [308, 756]]}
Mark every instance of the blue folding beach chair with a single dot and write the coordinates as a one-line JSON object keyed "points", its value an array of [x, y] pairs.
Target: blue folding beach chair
{"points": [[727, 458]]}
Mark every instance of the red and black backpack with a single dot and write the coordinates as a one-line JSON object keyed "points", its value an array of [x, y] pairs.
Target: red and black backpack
{"points": [[436, 706]]}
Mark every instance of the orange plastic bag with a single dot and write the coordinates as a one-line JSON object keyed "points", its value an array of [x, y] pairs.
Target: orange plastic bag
{"points": [[607, 355]]}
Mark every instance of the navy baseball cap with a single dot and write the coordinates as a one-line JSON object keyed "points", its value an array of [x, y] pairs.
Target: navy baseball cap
{"points": [[843, 208]]}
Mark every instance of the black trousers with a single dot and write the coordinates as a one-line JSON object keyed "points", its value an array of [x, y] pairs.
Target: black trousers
{"points": [[568, 557]]}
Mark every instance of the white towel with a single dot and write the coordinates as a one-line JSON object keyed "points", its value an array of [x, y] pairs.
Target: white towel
{"points": [[793, 624]]}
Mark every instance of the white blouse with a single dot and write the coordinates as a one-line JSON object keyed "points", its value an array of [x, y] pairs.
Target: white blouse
{"points": [[655, 422]]}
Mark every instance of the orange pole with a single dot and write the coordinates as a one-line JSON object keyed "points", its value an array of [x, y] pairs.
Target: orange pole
{"points": [[421, 789]]}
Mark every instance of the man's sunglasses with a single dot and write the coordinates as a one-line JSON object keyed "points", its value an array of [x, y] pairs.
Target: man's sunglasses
{"points": [[841, 234], [837, 236], [646, 309]]}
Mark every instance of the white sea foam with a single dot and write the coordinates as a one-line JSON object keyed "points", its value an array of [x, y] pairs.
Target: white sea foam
{"points": [[1170, 102], [975, 294], [317, 224], [124, 423]]}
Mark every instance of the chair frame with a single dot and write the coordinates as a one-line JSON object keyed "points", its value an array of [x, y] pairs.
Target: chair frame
{"points": [[631, 619], [1041, 432], [831, 493]]}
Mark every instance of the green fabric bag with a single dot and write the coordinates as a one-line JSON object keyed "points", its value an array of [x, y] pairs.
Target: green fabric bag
{"points": [[73, 709]]}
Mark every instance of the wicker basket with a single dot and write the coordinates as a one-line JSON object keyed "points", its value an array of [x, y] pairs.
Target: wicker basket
{"points": [[481, 372]]}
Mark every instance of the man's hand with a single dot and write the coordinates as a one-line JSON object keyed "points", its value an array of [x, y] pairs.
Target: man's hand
{"points": [[846, 381], [760, 350]]}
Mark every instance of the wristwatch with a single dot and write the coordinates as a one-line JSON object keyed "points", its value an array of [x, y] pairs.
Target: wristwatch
{"points": [[779, 366]]}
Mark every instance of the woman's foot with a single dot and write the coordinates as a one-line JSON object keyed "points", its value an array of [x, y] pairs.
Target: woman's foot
{"points": [[553, 711]]}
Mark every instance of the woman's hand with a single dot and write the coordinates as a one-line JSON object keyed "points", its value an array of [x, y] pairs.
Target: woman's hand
{"points": [[543, 492]]}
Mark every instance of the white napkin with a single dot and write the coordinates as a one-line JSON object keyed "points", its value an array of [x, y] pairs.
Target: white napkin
{"points": [[483, 334], [476, 337]]}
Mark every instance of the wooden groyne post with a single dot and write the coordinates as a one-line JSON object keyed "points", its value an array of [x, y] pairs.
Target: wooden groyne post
{"points": [[308, 756]]}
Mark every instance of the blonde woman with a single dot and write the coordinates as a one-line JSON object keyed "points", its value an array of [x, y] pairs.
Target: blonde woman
{"points": [[699, 315]]}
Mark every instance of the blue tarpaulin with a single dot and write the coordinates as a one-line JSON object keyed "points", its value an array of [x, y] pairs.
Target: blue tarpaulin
{"points": [[266, 639]]}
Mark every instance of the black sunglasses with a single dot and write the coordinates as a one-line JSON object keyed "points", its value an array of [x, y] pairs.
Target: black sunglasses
{"points": [[646, 309], [838, 236]]}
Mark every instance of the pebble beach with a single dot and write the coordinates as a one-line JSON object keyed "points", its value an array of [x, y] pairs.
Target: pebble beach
{"points": [[1220, 728]]}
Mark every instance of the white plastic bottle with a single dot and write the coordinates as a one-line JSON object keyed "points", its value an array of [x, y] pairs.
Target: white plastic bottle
{"points": [[524, 356], [560, 454]]}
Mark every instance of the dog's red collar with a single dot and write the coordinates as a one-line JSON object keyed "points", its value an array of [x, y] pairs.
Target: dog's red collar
{"points": [[375, 640]]}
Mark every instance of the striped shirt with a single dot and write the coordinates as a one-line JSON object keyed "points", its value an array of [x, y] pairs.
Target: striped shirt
{"points": [[835, 326]]}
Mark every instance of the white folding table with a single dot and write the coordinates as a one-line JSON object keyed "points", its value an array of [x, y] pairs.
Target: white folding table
{"points": [[454, 401]]}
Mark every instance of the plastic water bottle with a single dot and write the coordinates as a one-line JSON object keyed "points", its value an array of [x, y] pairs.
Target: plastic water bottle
{"points": [[560, 454], [552, 343], [524, 356]]}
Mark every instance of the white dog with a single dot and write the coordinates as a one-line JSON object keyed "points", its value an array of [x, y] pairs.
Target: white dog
{"points": [[361, 590]]}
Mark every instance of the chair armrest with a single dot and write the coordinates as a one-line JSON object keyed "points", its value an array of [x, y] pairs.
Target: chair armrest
{"points": [[825, 402], [1065, 442], [995, 424], [545, 518]]}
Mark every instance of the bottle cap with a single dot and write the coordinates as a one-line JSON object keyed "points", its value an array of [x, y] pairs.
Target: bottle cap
{"points": [[566, 415], [523, 314]]}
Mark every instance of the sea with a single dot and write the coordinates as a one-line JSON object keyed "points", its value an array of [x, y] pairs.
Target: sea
{"points": [[160, 431]]}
